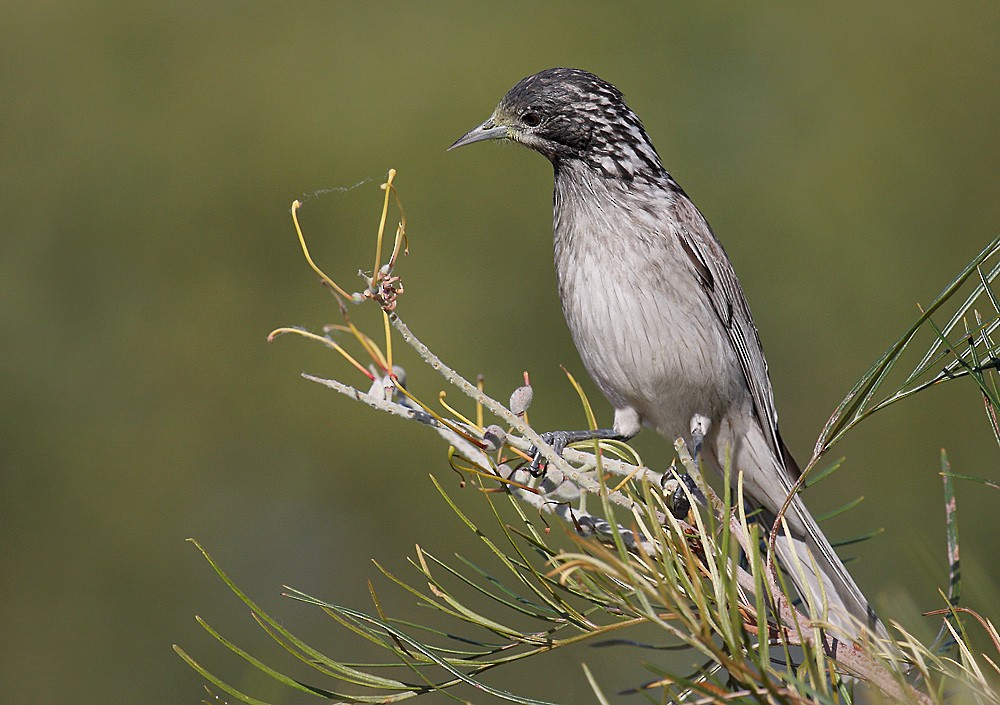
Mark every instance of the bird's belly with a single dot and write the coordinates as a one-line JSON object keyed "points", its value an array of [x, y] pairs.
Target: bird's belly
{"points": [[650, 345]]}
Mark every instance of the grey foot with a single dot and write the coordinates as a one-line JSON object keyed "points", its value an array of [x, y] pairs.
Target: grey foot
{"points": [[560, 439]]}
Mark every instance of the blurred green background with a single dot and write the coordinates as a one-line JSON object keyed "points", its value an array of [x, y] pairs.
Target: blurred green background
{"points": [[846, 154]]}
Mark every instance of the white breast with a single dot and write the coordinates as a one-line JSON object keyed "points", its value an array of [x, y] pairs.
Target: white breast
{"points": [[644, 329]]}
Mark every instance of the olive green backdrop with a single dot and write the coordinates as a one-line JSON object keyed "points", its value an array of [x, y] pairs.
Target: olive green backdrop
{"points": [[847, 156]]}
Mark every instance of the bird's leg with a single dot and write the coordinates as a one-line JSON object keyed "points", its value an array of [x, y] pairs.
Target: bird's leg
{"points": [[560, 439], [700, 426], [679, 503]]}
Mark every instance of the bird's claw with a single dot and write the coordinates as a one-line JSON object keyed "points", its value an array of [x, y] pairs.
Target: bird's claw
{"points": [[558, 440], [678, 501]]}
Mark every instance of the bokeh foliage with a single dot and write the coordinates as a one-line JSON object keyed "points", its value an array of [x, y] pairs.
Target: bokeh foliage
{"points": [[845, 154]]}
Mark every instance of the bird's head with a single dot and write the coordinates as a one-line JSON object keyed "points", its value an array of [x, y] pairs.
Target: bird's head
{"points": [[569, 114]]}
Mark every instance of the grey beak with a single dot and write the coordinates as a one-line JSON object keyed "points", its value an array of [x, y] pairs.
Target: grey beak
{"points": [[487, 131]]}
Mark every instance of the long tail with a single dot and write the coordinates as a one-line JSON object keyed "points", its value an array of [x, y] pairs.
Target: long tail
{"points": [[827, 590], [822, 581]]}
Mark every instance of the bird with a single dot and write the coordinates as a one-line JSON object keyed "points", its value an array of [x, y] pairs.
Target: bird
{"points": [[659, 318]]}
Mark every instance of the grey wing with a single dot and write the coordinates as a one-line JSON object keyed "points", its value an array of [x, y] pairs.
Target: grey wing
{"points": [[719, 281], [725, 294]]}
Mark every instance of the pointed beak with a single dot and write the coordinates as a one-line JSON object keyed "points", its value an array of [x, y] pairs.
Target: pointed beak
{"points": [[489, 130]]}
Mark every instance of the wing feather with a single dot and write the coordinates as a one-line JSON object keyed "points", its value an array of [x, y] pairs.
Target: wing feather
{"points": [[719, 282]]}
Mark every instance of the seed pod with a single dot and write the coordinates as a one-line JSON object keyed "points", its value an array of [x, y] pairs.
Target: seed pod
{"points": [[520, 400], [494, 437]]}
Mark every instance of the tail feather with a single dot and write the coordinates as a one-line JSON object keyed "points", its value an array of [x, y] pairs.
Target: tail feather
{"points": [[822, 581], [806, 556]]}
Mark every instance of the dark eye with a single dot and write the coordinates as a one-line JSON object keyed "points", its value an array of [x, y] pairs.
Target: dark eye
{"points": [[531, 119]]}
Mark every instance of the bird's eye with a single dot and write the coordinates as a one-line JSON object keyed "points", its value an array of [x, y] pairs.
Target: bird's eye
{"points": [[531, 119]]}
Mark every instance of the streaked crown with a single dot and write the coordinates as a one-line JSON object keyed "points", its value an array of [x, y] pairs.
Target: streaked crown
{"points": [[569, 114]]}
